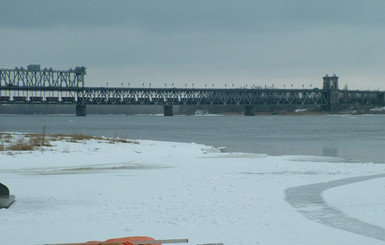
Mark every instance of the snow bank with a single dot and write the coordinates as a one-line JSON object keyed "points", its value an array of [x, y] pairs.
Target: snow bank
{"points": [[95, 190]]}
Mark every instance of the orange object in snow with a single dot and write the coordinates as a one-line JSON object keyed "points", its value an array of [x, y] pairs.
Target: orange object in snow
{"points": [[128, 240]]}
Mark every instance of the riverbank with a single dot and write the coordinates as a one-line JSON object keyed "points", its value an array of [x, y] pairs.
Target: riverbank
{"points": [[95, 189]]}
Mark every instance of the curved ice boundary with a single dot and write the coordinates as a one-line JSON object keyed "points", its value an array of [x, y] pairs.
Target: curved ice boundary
{"points": [[308, 200]]}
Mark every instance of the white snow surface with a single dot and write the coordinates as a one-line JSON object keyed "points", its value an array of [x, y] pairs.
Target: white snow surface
{"points": [[95, 190]]}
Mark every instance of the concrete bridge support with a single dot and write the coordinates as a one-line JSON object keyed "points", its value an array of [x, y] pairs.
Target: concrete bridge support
{"points": [[249, 110], [167, 112], [80, 110]]}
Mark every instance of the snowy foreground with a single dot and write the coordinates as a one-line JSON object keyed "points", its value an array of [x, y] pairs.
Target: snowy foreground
{"points": [[96, 190]]}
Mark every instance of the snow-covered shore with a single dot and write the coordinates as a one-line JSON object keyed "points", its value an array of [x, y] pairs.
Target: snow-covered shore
{"points": [[95, 190]]}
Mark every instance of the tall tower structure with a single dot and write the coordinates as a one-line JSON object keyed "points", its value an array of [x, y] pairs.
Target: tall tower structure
{"points": [[334, 82], [326, 84], [330, 88]]}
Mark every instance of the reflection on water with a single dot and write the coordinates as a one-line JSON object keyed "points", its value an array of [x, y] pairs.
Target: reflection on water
{"points": [[330, 152]]}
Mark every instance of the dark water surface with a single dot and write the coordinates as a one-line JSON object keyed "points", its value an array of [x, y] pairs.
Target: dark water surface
{"points": [[357, 138]]}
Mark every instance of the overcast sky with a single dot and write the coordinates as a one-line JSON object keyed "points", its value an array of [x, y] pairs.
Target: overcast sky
{"points": [[209, 42]]}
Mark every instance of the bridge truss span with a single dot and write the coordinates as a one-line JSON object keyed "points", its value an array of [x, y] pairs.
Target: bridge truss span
{"points": [[35, 85], [202, 96], [35, 77]]}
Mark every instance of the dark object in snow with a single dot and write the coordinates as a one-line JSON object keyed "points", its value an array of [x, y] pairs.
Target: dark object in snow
{"points": [[6, 200]]}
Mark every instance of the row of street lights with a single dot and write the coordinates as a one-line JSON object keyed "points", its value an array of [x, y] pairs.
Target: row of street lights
{"points": [[213, 85]]}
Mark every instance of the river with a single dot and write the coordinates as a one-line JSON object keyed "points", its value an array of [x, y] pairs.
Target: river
{"points": [[357, 138]]}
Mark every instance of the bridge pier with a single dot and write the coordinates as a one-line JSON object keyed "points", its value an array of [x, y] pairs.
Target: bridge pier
{"points": [[80, 110], [167, 112], [249, 110]]}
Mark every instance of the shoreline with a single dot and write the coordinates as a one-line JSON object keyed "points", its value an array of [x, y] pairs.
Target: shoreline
{"points": [[168, 190]]}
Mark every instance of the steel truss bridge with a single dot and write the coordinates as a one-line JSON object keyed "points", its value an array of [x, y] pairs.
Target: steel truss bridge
{"points": [[201, 96], [34, 85], [49, 86], [146, 96]]}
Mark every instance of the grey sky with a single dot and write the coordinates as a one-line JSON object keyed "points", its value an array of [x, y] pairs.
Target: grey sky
{"points": [[202, 42]]}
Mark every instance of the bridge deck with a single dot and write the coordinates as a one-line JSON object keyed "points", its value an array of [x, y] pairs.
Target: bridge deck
{"points": [[171, 96]]}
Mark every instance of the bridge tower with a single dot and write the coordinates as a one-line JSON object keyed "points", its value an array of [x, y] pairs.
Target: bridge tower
{"points": [[327, 82], [330, 90], [334, 83]]}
